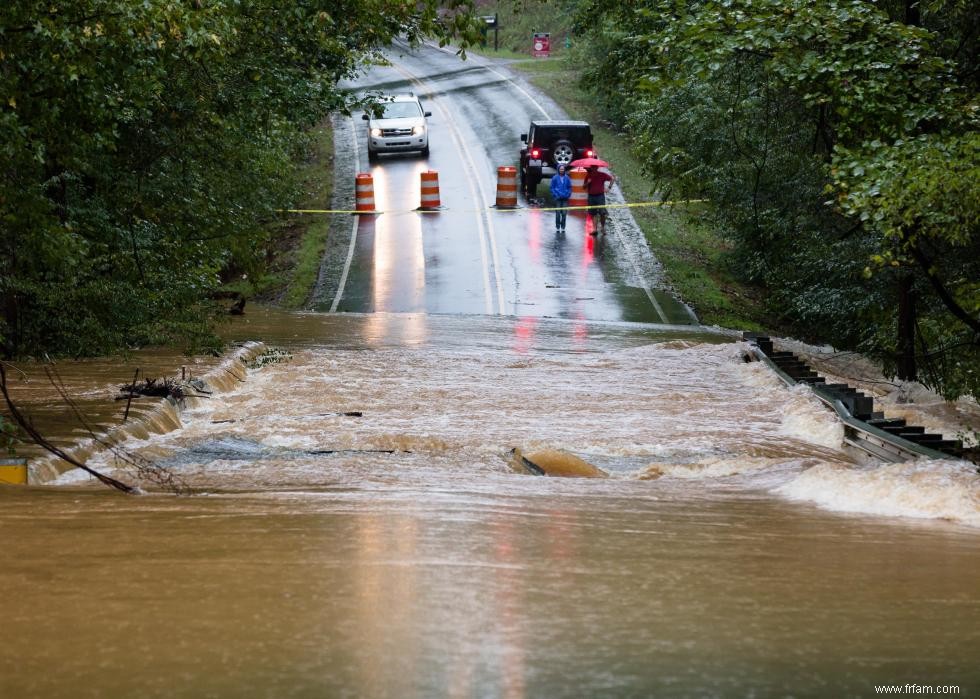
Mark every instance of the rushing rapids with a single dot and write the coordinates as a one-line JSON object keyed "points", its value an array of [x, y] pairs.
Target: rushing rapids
{"points": [[684, 409], [357, 527]]}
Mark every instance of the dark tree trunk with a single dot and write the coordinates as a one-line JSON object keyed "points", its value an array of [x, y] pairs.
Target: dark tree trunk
{"points": [[913, 16], [10, 341], [906, 329]]}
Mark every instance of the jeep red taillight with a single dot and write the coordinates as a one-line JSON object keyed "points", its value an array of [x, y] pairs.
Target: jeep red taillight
{"points": [[535, 154], [590, 153]]}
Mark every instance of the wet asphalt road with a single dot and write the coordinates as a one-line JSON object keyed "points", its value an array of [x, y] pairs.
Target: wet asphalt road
{"points": [[469, 257]]}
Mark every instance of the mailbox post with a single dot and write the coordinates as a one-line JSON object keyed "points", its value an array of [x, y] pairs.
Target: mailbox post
{"points": [[490, 22]]}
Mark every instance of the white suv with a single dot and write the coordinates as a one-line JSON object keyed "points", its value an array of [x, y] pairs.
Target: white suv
{"points": [[400, 128]]}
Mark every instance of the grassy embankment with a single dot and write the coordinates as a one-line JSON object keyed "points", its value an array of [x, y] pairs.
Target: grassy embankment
{"points": [[298, 241]]}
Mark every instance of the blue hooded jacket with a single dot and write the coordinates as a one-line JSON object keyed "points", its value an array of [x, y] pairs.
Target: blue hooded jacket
{"points": [[561, 186]]}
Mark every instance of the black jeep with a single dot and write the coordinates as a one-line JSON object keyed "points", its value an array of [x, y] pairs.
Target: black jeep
{"points": [[548, 144]]}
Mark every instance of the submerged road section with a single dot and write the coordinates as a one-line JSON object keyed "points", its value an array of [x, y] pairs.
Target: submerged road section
{"points": [[358, 528]]}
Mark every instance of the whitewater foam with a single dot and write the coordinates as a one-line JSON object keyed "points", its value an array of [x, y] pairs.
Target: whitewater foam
{"points": [[805, 418], [941, 489]]}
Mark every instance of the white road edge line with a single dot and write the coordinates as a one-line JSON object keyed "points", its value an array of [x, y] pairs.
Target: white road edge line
{"points": [[353, 233], [639, 275]]}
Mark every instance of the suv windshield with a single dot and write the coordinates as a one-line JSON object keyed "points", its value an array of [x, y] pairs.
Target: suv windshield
{"points": [[401, 110]]}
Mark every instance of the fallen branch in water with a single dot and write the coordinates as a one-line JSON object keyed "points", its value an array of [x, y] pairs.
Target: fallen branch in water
{"points": [[168, 388], [129, 398], [28, 427], [146, 470], [171, 389]]}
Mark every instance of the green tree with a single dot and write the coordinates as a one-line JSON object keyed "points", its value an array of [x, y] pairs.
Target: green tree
{"points": [[771, 108], [145, 144]]}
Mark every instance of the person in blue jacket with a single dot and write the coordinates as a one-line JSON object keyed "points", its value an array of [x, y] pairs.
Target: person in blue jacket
{"points": [[561, 191]]}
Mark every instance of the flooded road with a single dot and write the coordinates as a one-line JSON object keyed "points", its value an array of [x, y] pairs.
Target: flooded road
{"points": [[359, 528], [361, 520]]}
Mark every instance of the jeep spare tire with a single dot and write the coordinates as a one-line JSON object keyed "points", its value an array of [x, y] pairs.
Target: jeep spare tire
{"points": [[563, 153]]}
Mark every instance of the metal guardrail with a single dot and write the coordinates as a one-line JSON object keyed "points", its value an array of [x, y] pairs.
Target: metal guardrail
{"points": [[858, 433]]}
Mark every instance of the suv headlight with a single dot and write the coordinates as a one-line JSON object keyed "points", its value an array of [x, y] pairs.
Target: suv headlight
{"points": [[418, 130], [376, 132]]}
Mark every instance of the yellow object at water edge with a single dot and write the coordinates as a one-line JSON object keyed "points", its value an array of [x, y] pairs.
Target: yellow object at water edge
{"points": [[13, 471]]}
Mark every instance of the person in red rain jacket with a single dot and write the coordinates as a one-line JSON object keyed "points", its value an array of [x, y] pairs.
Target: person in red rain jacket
{"points": [[597, 183]]}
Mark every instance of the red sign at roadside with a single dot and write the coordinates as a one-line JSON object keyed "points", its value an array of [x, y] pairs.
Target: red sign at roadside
{"points": [[541, 45]]}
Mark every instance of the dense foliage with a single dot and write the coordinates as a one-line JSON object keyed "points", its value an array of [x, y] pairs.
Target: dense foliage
{"points": [[144, 144], [838, 144]]}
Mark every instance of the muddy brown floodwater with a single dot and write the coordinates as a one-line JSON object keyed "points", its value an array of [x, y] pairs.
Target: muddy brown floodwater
{"points": [[357, 528]]}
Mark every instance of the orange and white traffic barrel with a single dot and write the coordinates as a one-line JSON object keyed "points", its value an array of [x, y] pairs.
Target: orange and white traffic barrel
{"points": [[430, 190], [364, 188], [579, 196], [507, 186]]}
